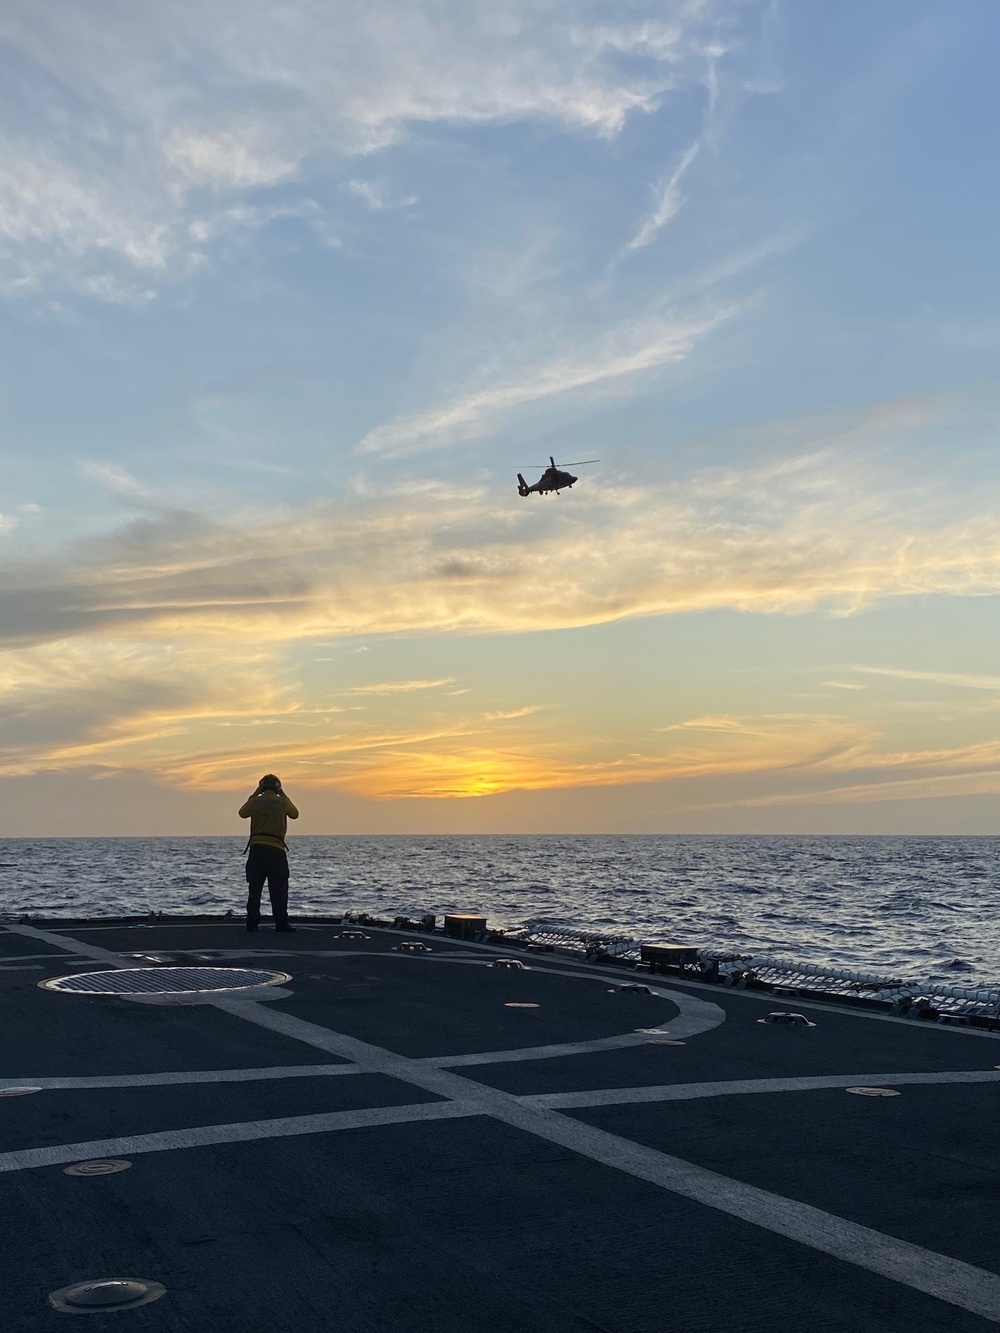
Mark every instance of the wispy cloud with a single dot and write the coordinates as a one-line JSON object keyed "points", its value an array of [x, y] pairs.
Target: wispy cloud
{"points": [[188, 105], [923, 788], [403, 686], [113, 477], [961, 680], [379, 196], [668, 203], [638, 347]]}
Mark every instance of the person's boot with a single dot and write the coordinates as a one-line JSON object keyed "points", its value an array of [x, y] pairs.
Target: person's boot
{"points": [[283, 928]]}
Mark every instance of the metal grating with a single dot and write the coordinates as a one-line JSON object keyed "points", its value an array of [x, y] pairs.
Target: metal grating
{"points": [[164, 981]]}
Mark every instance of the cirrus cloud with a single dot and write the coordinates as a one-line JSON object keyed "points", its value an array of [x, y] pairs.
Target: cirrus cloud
{"points": [[133, 125]]}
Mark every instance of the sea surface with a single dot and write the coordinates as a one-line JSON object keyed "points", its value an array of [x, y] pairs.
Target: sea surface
{"points": [[919, 907]]}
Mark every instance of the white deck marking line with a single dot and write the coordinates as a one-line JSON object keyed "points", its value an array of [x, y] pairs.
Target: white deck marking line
{"points": [[682, 1092], [79, 949], [536, 1052], [696, 1016], [182, 1077], [936, 1275], [659, 1092], [31, 957], [207, 1135], [950, 1280]]}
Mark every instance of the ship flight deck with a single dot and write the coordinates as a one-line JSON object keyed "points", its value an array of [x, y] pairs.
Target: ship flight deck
{"points": [[366, 1129]]}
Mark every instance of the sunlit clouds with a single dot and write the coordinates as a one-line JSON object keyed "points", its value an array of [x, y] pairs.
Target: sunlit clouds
{"points": [[837, 529], [290, 295], [160, 649]]}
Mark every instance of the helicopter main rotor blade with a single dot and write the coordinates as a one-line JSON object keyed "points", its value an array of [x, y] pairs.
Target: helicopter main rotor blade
{"points": [[558, 465]]}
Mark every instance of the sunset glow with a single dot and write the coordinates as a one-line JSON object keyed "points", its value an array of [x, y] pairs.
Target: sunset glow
{"points": [[290, 296]]}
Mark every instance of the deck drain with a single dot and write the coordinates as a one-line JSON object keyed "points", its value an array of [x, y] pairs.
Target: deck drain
{"points": [[520, 1004], [113, 1293], [100, 1166], [873, 1092], [164, 981], [17, 1092]]}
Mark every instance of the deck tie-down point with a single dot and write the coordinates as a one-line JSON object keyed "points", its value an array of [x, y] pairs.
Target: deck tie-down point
{"points": [[779, 1016], [98, 1166], [629, 985], [511, 964], [412, 946], [114, 1293], [353, 935]]}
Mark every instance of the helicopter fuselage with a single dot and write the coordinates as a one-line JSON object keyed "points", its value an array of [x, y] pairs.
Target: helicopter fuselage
{"points": [[552, 479]]}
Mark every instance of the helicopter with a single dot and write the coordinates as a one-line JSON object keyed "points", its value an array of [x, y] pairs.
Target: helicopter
{"points": [[552, 479]]}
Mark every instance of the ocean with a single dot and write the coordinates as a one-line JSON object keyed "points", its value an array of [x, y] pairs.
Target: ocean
{"points": [[920, 907]]}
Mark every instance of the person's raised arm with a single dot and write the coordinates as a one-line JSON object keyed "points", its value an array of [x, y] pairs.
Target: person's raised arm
{"points": [[246, 809], [290, 809]]}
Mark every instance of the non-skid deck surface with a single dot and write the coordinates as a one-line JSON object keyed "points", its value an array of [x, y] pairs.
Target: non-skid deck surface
{"points": [[416, 1142]]}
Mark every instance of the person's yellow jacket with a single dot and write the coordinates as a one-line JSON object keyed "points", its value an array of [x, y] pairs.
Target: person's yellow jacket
{"points": [[268, 813]]}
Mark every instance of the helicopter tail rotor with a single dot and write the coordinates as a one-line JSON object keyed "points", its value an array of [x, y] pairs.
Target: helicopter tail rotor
{"points": [[522, 485]]}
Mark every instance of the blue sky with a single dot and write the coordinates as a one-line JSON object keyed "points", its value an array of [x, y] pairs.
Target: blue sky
{"points": [[288, 297]]}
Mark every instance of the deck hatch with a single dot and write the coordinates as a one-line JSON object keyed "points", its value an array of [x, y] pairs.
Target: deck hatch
{"points": [[164, 981]]}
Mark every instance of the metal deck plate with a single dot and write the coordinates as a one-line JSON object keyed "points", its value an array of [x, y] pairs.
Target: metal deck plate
{"points": [[164, 981], [113, 1293]]}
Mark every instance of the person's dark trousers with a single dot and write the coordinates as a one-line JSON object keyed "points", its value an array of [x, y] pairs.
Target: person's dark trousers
{"points": [[271, 864]]}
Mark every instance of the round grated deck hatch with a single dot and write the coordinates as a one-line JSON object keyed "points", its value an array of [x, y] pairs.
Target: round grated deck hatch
{"points": [[164, 981]]}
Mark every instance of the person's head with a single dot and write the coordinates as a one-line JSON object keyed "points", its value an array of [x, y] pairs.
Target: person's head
{"points": [[269, 783]]}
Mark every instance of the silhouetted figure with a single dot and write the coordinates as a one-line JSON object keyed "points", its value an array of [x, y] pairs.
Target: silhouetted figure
{"points": [[268, 811]]}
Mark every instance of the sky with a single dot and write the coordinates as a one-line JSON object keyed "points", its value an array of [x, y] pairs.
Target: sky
{"points": [[288, 296]]}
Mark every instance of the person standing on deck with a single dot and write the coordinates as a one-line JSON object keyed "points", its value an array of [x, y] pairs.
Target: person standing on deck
{"points": [[268, 811]]}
